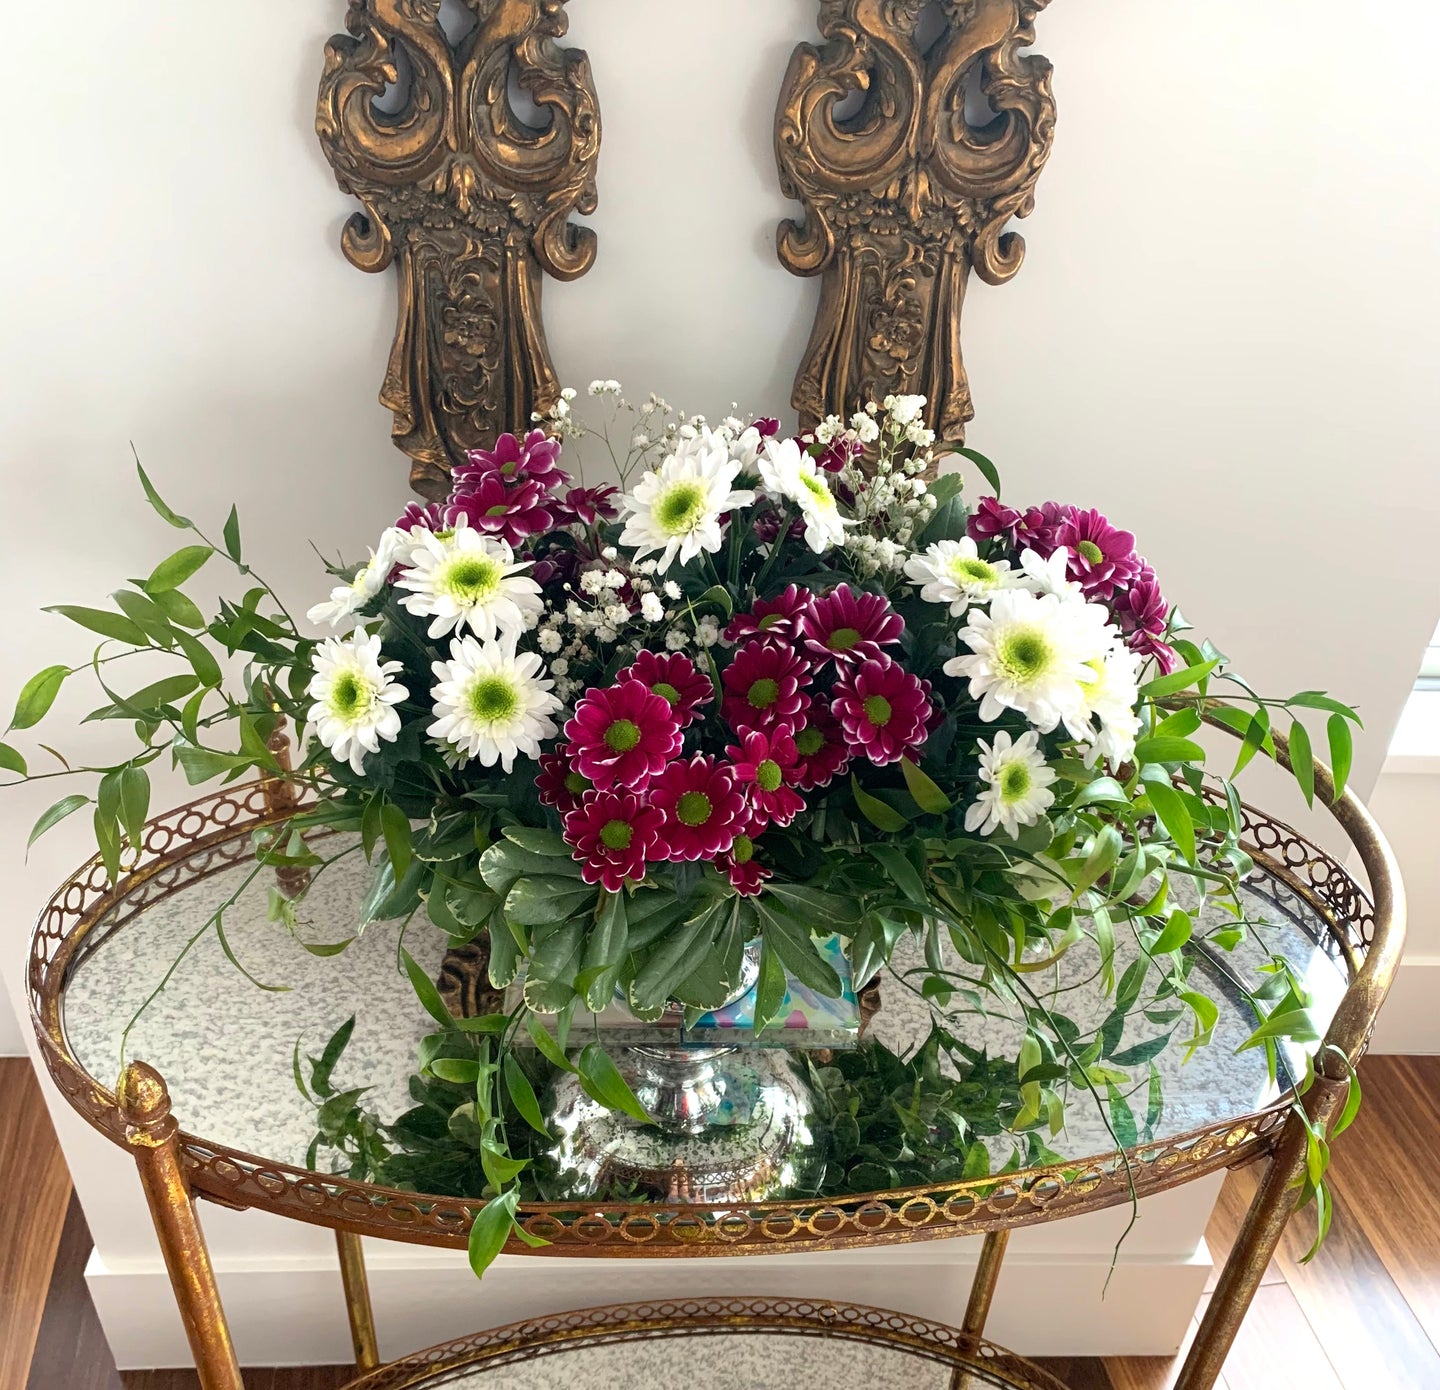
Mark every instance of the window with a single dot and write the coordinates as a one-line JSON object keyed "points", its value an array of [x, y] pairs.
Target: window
{"points": [[1429, 677]]}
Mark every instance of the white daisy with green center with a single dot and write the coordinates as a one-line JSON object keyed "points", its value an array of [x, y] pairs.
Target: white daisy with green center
{"points": [[1031, 653], [355, 697], [348, 599], [786, 471], [463, 578], [1017, 782], [952, 572], [492, 703], [1048, 576], [676, 508], [1107, 721]]}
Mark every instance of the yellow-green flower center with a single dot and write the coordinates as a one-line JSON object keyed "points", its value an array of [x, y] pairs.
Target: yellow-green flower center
{"points": [[969, 569], [844, 639], [1024, 654], [693, 809], [743, 849], [809, 742], [493, 699], [768, 775], [819, 493], [1090, 552], [471, 579], [680, 508], [666, 691], [616, 834], [623, 735], [763, 693], [500, 509], [351, 696], [577, 783], [877, 710], [1015, 782]]}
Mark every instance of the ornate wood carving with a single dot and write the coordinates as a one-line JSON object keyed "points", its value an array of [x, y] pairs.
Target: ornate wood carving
{"points": [[470, 202], [904, 195]]}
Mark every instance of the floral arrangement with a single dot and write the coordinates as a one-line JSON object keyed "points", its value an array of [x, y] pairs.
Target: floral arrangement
{"points": [[757, 684]]}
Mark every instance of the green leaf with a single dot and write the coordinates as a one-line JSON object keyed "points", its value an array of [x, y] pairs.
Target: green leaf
{"points": [[231, 535], [179, 522], [928, 796], [674, 956], [1174, 815], [37, 696], [201, 764], [113, 625], [1177, 681], [460, 1071], [1296, 1024], [323, 1069], [879, 813], [543, 842], [1122, 1118], [522, 1095], [147, 615], [201, 660], [172, 572], [545, 1043], [988, 471], [902, 873], [11, 760], [1302, 761], [1102, 791], [1101, 859], [52, 816], [175, 606], [134, 803], [605, 951], [1176, 933], [543, 901], [718, 594], [1168, 750], [830, 908], [1342, 751], [796, 948], [398, 844], [1315, 699], [424, 988], [771, 988], [493, 1224], [602, 1082]]}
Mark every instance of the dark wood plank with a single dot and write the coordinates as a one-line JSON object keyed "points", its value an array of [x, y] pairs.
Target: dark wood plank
{"points": [[71, 1349], [263, 1378], [30, 1164], [1077, 1372]]}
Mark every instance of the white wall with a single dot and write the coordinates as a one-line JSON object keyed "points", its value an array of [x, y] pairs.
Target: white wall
{"points": [[1226, 334]]}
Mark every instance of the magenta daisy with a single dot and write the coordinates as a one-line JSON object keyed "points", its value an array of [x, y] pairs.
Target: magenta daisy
{"points": [[429, 517], [746, 874], [766, 766], [820, 742], [850, 627], [1102, 559], [841, 450], [613, 834], [702, 806], [883, 710], [676, 679], [777, 617], [764, 687], [622, 735], [513, 512], [588, 504], [537, 456], [559, 785]]}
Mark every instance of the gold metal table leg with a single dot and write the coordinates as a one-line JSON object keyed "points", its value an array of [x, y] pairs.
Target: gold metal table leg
{"points": [[982, 1295], [152, 1136], [357, 1301], [1265, 1223]]}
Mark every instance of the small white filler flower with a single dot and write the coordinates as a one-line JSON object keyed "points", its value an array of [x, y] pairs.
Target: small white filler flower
{"points": [[491, 703], [1017, 784], [355, 697], [677, 507], [348, 599], [952, 572], [1031, 653], [786, 471], [465, 578]]}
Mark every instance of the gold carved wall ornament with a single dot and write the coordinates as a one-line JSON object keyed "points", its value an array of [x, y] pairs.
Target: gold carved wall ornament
{"points": [[906, 193], [469, 201]]}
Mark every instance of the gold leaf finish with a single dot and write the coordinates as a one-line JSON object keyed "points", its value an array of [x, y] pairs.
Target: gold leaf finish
{"points": [[470, 203], [907, 192]]}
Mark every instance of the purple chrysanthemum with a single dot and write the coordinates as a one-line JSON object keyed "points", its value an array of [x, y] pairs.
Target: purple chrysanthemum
{"points": [[746, 874], [764, 687], [823, 751], [613, 835], [590, 505], [843, 449], [1102, 558], [676, 679], [767, 426], [428, 517], [702, 806], [1033, 529], [849, 627], [1142, 607], [777, 617], [621, 736], [513, 511], [883, 710], [766, 765], [560, 785], [537, 456]]}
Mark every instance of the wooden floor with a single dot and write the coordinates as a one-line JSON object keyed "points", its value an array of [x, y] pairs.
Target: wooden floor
{"points": [[1365, 1315]]}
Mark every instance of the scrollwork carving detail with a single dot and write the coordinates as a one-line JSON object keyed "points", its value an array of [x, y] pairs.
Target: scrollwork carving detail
{"points": [[468, 201], [904, 195]]}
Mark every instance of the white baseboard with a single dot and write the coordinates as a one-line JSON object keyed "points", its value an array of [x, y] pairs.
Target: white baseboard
{"points": [[1410, 1021], [294, 1315]]}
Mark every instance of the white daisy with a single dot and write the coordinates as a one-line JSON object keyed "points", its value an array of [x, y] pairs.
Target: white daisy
{"points": [[952, 572], [676, 509], [787, 471], [492, 704], [465, 578], [1109, 697], [354, 696], [1031, 653], [1050, 576], [745, 450], [1017, 784], [348, 599]]}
